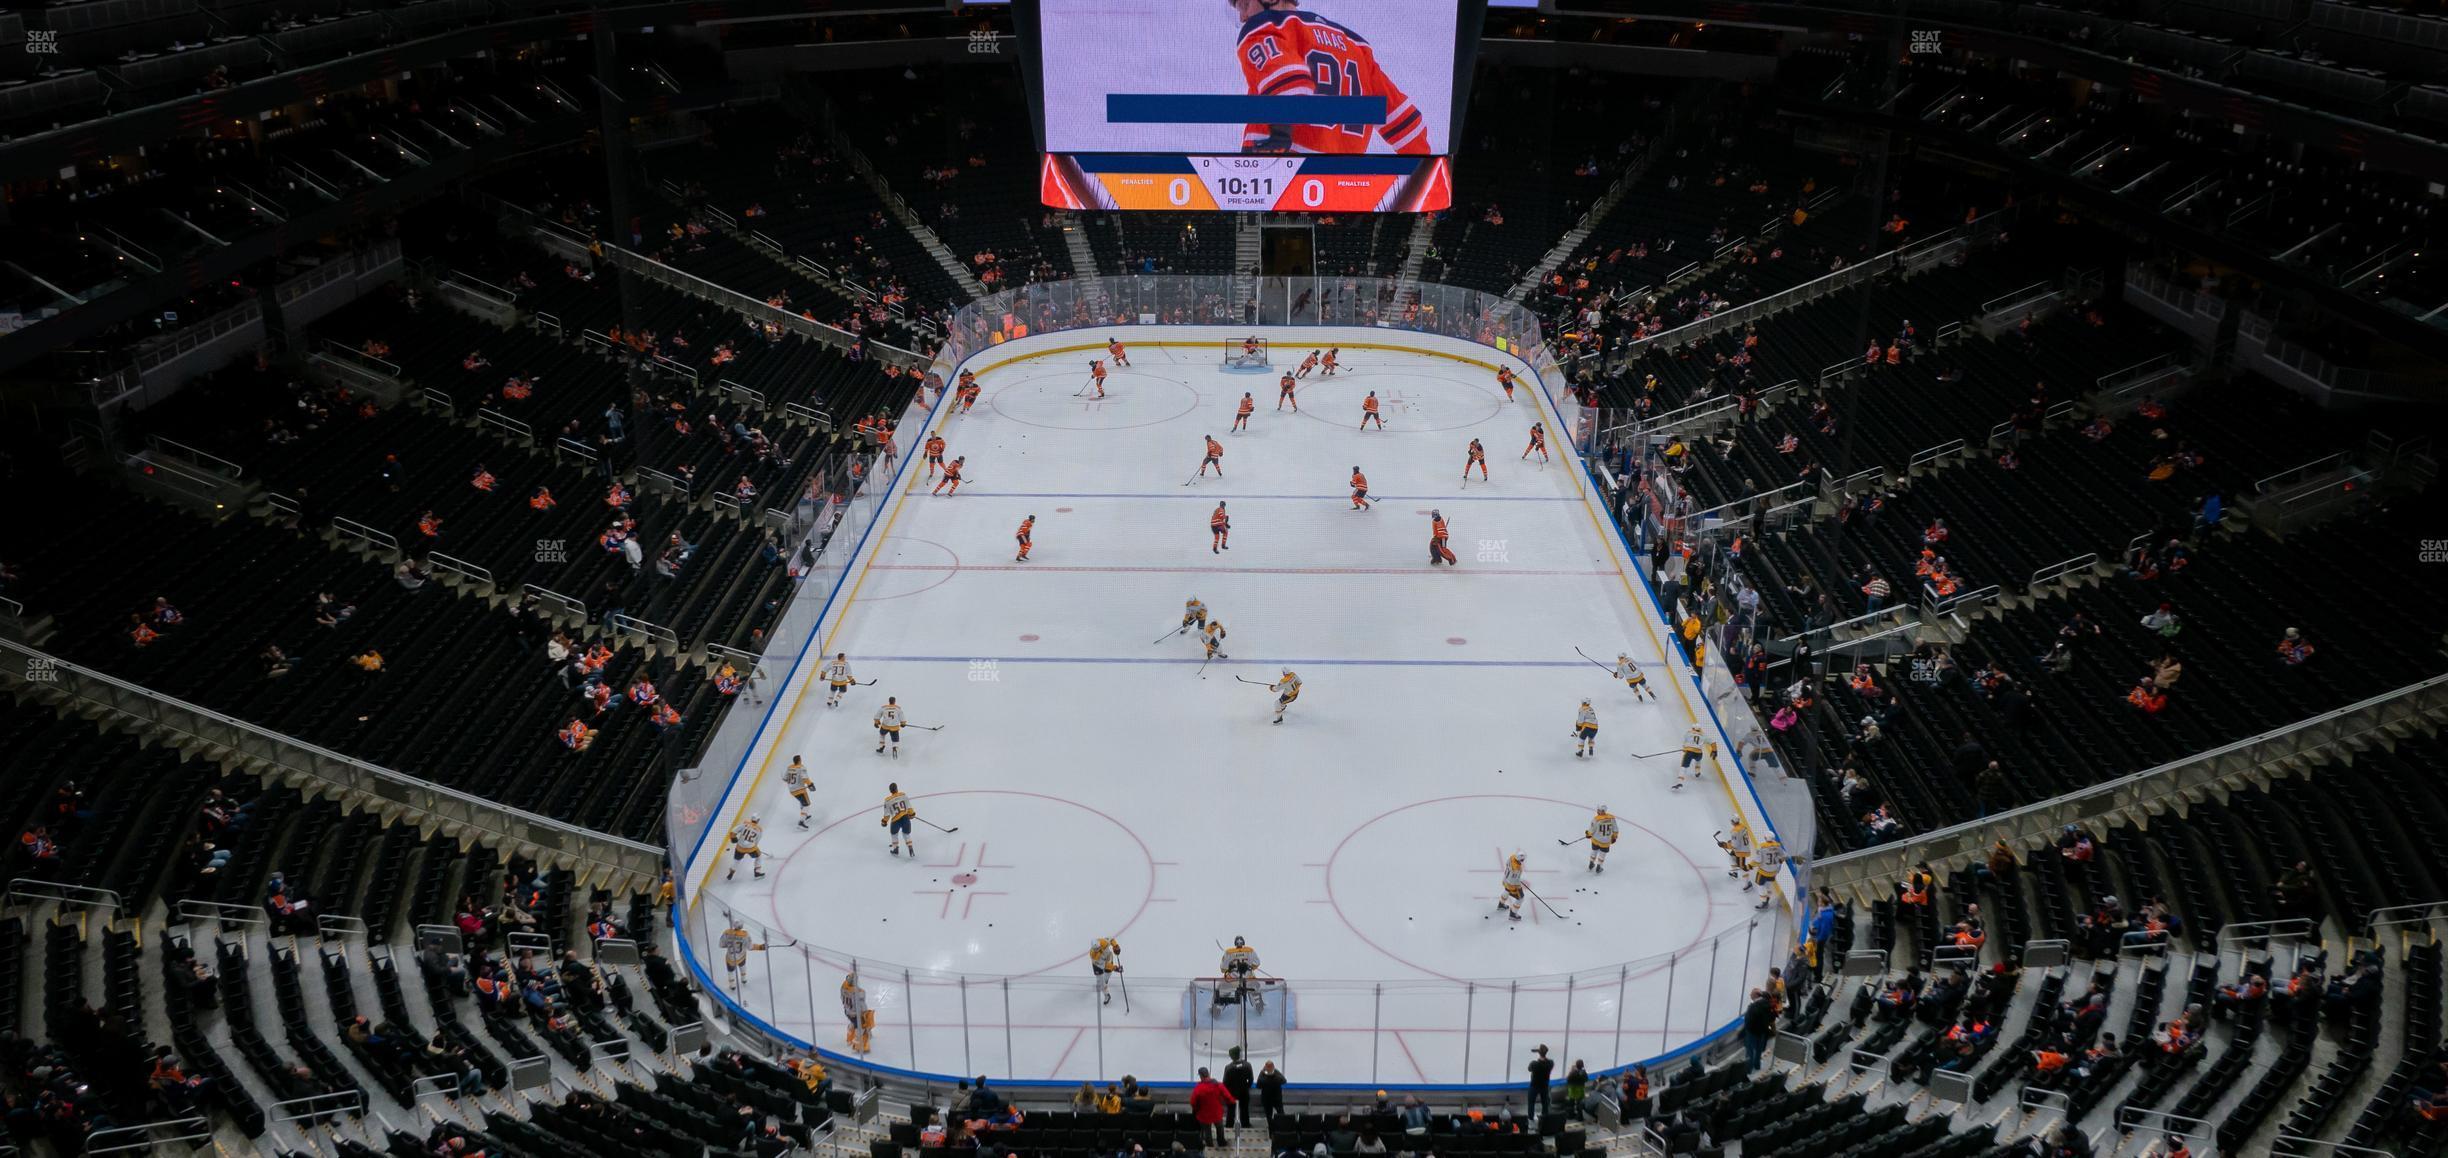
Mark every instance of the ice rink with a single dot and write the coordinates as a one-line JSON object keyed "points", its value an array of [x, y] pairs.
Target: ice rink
{"points": [[1104, 783]]}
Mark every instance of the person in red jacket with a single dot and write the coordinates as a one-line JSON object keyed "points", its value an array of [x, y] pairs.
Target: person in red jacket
{"points": [[1209, 1102]]}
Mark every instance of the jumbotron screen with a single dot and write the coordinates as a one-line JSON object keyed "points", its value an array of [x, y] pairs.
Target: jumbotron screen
{"points": [[1327, 106]]}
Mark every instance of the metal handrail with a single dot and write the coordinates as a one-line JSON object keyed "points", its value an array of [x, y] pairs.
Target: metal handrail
{"points": [[201, 458], [505, 423], [2114, 379], [2062, 567], [460, 567], [639, 627], [357, 530], [315, 1106], [82, 896], [1946, 605], [364, 360], [1881, 613], [2299, 472], [2012, 298], [1934, 453], [548, 595], [2374, 919], [1699, 515], [193, 1129], [2283, 928], [243, 916]]}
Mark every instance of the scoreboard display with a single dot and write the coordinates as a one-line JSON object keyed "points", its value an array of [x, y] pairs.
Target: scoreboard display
{"points": [[1321, 184], [1328, 106]]}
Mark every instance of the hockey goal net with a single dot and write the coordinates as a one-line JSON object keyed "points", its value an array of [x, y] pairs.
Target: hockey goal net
{"points": [[1245, 354], [1223, 1012]]}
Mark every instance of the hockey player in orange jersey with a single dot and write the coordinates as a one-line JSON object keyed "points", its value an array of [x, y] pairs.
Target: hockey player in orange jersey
{"points": [[1215, 458], [1241, 416], [1359, 485], [1286, 396], [1368, 412], [1096, 375], [1114, 350], [1286, 50]]}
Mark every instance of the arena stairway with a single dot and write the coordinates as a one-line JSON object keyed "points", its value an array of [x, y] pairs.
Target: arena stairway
{"points": [[813, 201], [966, 167], [1520, 192]]}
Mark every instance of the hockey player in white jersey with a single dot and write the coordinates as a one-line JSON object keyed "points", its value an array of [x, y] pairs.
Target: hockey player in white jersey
{"points": [[1585, 730], [1766, 860], [1738, 852], [1633, 677], [1104, 960], [837, 679], [1286, 690], [1601, 834], [1511, 901], [897, 817], [736, 945], [744, 845], [796, 779], [888, 723]]}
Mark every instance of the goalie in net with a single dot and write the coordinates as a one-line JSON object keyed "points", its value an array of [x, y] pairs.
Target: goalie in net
{"points": [[1248, 353], [1239, 1007]]}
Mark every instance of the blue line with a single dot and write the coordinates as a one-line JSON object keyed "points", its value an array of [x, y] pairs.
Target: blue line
{"points": [[1339, 496], [1090, 659], [1138, 108]]}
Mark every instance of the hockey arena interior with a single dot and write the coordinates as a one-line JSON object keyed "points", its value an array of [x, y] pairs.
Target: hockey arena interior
{"points": [[1282, 578]]}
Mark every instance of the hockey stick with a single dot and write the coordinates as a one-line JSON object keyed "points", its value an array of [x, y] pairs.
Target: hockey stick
{"points": [[927, 727], [1574, 841], [1202, 669], [935, 826], [1168, 635], [1125, 991], [1542, 900], [1585, 655], [1255, 683], [1654, 755]]}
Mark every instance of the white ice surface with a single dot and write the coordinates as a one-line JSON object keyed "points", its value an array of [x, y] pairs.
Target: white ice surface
{"points": [[1104, 785]]}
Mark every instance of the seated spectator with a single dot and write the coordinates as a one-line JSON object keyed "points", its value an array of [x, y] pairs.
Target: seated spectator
{"points": [[2164, 621], [2244, 994], [2293, 648], [1900, 997]]}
